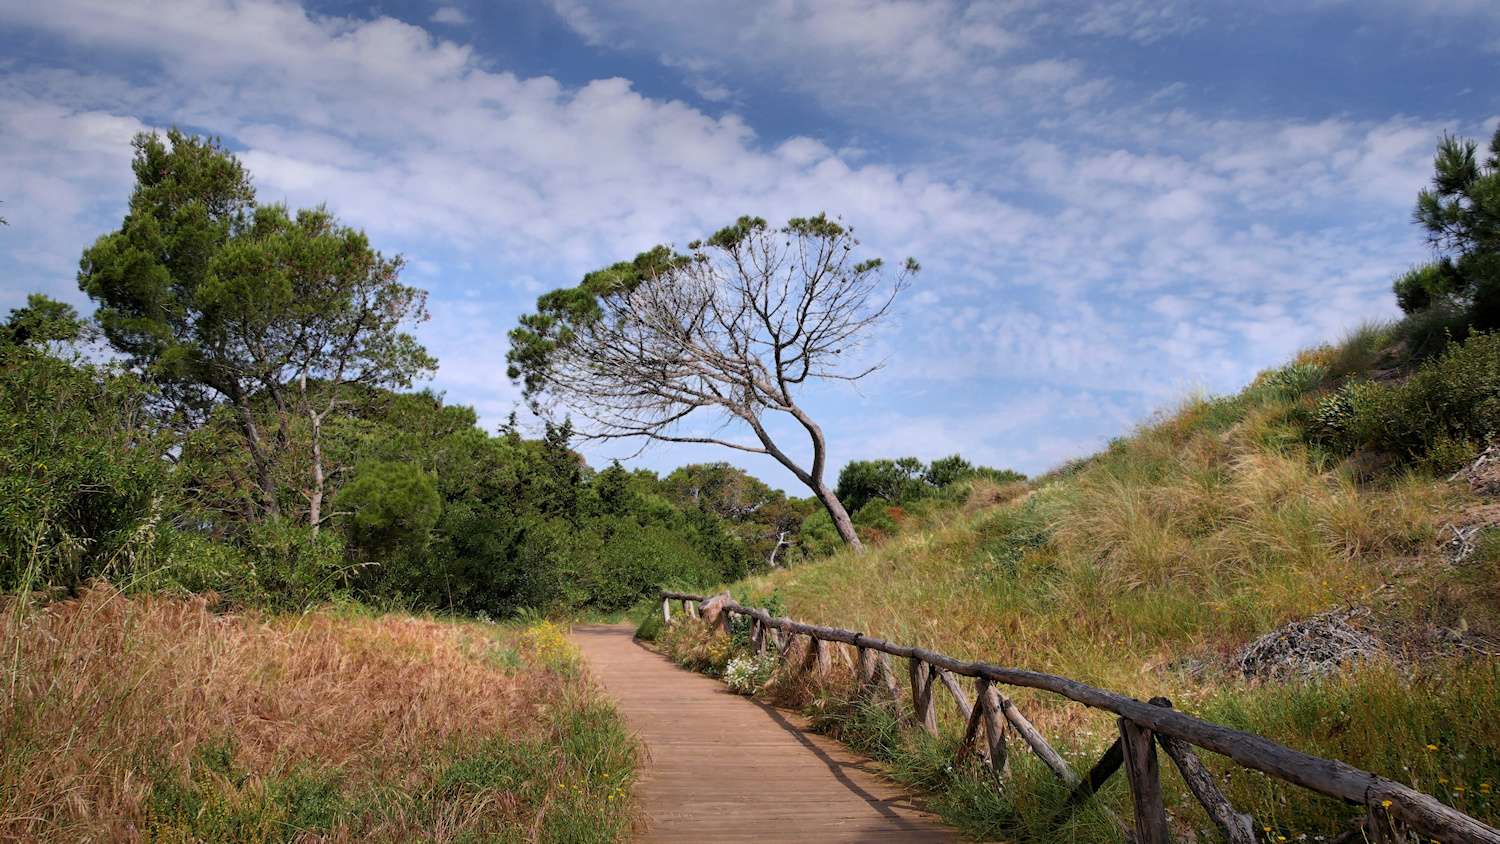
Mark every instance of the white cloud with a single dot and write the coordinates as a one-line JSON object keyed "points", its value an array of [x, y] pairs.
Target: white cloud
{"points": [[1080, 274], [60, 165], [450, 15]]}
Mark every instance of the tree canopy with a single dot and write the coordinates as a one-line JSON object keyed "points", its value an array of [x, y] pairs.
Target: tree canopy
{"points": [[1461, 213], [735, 328], [214, 299]]}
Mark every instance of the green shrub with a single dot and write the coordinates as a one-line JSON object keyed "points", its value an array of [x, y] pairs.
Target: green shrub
{"points": [[81, 472], [294, 566], [651, 626], [1336, 416], [1442, 415], [1293, 380], [392, 507]]}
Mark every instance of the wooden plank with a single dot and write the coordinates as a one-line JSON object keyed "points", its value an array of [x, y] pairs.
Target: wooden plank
{"points": [[718, 768], [1143, 774]]}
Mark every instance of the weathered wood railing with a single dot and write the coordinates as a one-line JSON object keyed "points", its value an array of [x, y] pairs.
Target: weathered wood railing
{"points": [[1392, 810]]}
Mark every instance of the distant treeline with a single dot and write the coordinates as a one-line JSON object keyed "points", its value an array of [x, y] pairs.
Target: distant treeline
{"points": [[254, 435], [100, 479]]}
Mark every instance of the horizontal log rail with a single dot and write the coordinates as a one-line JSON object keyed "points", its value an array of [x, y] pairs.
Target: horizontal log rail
{"points": [[1385, 799]]}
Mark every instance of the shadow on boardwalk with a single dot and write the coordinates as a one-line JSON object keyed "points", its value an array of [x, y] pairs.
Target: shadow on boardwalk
{"points": [[722, 767]]}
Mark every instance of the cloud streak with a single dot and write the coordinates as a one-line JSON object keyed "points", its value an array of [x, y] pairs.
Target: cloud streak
{"points": [[1084, 261]]}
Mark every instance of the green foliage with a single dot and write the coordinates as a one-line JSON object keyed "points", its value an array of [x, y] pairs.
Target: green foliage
{"points": [[562, 313], [391, 507], [295, 567], [1293, 380], [1433, 730], [1005, 537], [651, 625], [1461, 213], [43, 323], [879, 493], [818, 537], [215, 800], [189, 200], [221, 302], [1336, 420], [906, 480], [891, 481], [580, 774], [1441, 416], [81, 471]]}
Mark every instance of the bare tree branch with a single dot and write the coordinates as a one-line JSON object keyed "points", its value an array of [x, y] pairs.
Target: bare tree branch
{"points": [[733, 329]]}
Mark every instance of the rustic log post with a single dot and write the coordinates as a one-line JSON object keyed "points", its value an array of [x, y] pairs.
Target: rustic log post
{"points": [[1144, 776], [965, 709], [1236, 827], [1105, 768], [1098, 775], [921, 694], [666, 610], [843, 652], [1038, 744], [788, 651], [971, 731], [866, 667], [691, 607], [892, 688], [724, 621], [1382, 826], [994, 725], [814, 658]]}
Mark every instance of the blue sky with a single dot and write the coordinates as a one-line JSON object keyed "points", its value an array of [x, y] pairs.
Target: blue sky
{"points": [[1115, 202]]}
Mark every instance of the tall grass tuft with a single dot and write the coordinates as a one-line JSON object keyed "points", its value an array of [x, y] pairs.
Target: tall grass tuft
{"points": [[148, 717], [1146, 568]]}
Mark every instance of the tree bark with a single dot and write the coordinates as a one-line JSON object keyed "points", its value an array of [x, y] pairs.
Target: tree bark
{"points": [[264, 478]]}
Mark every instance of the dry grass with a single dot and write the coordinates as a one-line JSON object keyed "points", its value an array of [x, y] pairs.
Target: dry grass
{"points": [[114, 704], [1144, 568]]}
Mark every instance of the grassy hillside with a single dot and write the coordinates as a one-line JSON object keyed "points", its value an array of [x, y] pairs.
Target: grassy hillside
{"points": [[153, 719], [1150, 567]]}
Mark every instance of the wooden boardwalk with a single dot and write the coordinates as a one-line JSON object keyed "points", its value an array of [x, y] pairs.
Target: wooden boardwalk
{"points": [[721, 767]]}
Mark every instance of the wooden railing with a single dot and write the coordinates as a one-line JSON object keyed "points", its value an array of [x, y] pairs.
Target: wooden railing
{"points": [[1393, 811]]}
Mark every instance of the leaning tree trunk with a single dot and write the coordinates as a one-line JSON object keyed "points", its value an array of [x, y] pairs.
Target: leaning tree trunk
{"points": [[841, 521], [265, 480]]}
